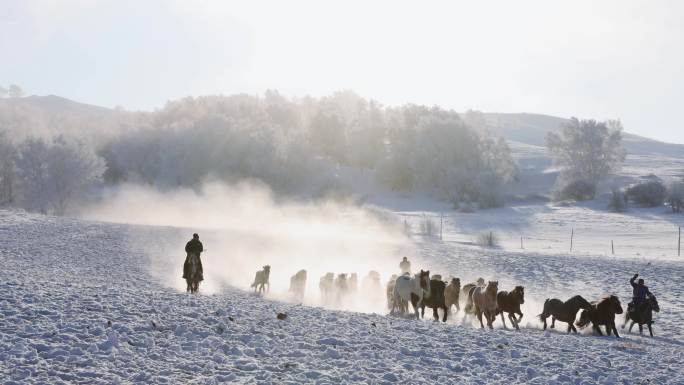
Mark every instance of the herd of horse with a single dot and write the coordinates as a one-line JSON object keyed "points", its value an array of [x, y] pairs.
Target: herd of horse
{"points": [[482, 300]]}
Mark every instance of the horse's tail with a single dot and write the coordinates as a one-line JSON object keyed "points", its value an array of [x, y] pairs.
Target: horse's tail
{"points": [[545, 311]]}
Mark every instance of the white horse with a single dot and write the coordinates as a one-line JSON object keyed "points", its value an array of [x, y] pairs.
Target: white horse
{"points": [[407, 289], [261, 280]]}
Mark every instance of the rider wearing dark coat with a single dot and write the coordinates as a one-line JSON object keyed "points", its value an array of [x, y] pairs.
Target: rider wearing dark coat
{"points": [[639, 292], [194, 246]]}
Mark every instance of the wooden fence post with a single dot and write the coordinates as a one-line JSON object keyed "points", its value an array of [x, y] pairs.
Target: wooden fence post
{"points": [[572, 235], [441, 222]]}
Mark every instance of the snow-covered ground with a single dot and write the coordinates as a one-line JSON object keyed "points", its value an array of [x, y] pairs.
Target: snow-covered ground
{"points": [[83, 302]]}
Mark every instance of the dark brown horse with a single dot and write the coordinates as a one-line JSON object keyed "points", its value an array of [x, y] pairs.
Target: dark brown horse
{"points": [[509, 302], [643, 314], [602, 313], [563, 311], [435, 300]]}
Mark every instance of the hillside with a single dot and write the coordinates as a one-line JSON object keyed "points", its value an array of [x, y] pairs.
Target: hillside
{"points": [[89, 302], [531, 129]]}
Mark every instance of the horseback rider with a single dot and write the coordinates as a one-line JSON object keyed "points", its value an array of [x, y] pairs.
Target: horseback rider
{"points": [[639, 293], [194, 246], [405, 266]]}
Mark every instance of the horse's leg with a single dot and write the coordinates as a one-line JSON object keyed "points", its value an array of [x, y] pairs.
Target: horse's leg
{"points": [[479, 316], [553, 323], [503, 320], [544, 321], [511, 317], [641, 329], [650, 330], [597, 329], [491, 317], [631, 326], [446, 314], [435, 313], [612, 324]]}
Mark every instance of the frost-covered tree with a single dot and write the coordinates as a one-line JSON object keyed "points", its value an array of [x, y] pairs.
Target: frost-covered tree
{"points": [[675, 196], [587, 151], [7, 157], [53, 174], [15, 91], [32, 166], [73, 168]]}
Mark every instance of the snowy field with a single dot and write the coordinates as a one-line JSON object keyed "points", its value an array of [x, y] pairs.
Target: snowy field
{"points": [[85, 302]]}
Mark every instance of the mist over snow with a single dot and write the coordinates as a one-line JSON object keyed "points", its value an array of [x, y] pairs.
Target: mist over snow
{"points": [[244, 228]]}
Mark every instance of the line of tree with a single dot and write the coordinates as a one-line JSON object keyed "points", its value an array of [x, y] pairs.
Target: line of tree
{"points": [[293, 145]]}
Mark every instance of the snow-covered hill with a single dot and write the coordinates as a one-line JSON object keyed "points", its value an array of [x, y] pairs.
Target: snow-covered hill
{"points": [[82, 304]]}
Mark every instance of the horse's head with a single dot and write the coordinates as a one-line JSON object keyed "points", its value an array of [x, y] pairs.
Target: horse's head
{"points": [[615, 304], [519, 294], [424, 277], [456, 282], [480, 281], [492, 287], [654, 303], [267, 268]]}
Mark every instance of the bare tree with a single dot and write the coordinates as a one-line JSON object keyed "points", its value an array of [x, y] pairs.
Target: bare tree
{"points": [[15, 91], [586, 150], [3, 92]]}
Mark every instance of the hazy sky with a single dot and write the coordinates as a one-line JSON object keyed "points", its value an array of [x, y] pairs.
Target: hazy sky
{"points": [[591, 59]]}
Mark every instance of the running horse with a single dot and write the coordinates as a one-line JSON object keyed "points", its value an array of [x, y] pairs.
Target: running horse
{"points": [[193, 274]]}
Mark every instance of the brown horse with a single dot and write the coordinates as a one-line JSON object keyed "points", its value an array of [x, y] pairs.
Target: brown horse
{"points": [[482, 300], [563, 311], [435, 299], [509, 302], [602, 313], [452, 294]]}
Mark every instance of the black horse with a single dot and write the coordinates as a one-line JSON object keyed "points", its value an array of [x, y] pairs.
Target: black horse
{"points": [[643, 314], [602, 313], [435, 300], [509, 302], [563, 311]]}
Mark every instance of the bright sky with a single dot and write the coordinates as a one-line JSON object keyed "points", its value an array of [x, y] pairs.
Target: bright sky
{"points": [[590, 59]]}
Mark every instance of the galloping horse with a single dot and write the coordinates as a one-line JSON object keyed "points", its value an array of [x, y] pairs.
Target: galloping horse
{"points": [[482, 300], [412, 289], [298, 285], [452, 294], [509, 302], [261, 280], [563, 311], [643, 314], [194, 273], [602, 313], [435, 299]]}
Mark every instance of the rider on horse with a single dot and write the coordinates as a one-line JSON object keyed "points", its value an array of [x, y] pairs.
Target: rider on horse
{"points": [[194, 246], [405, 266], [639, 293]]}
